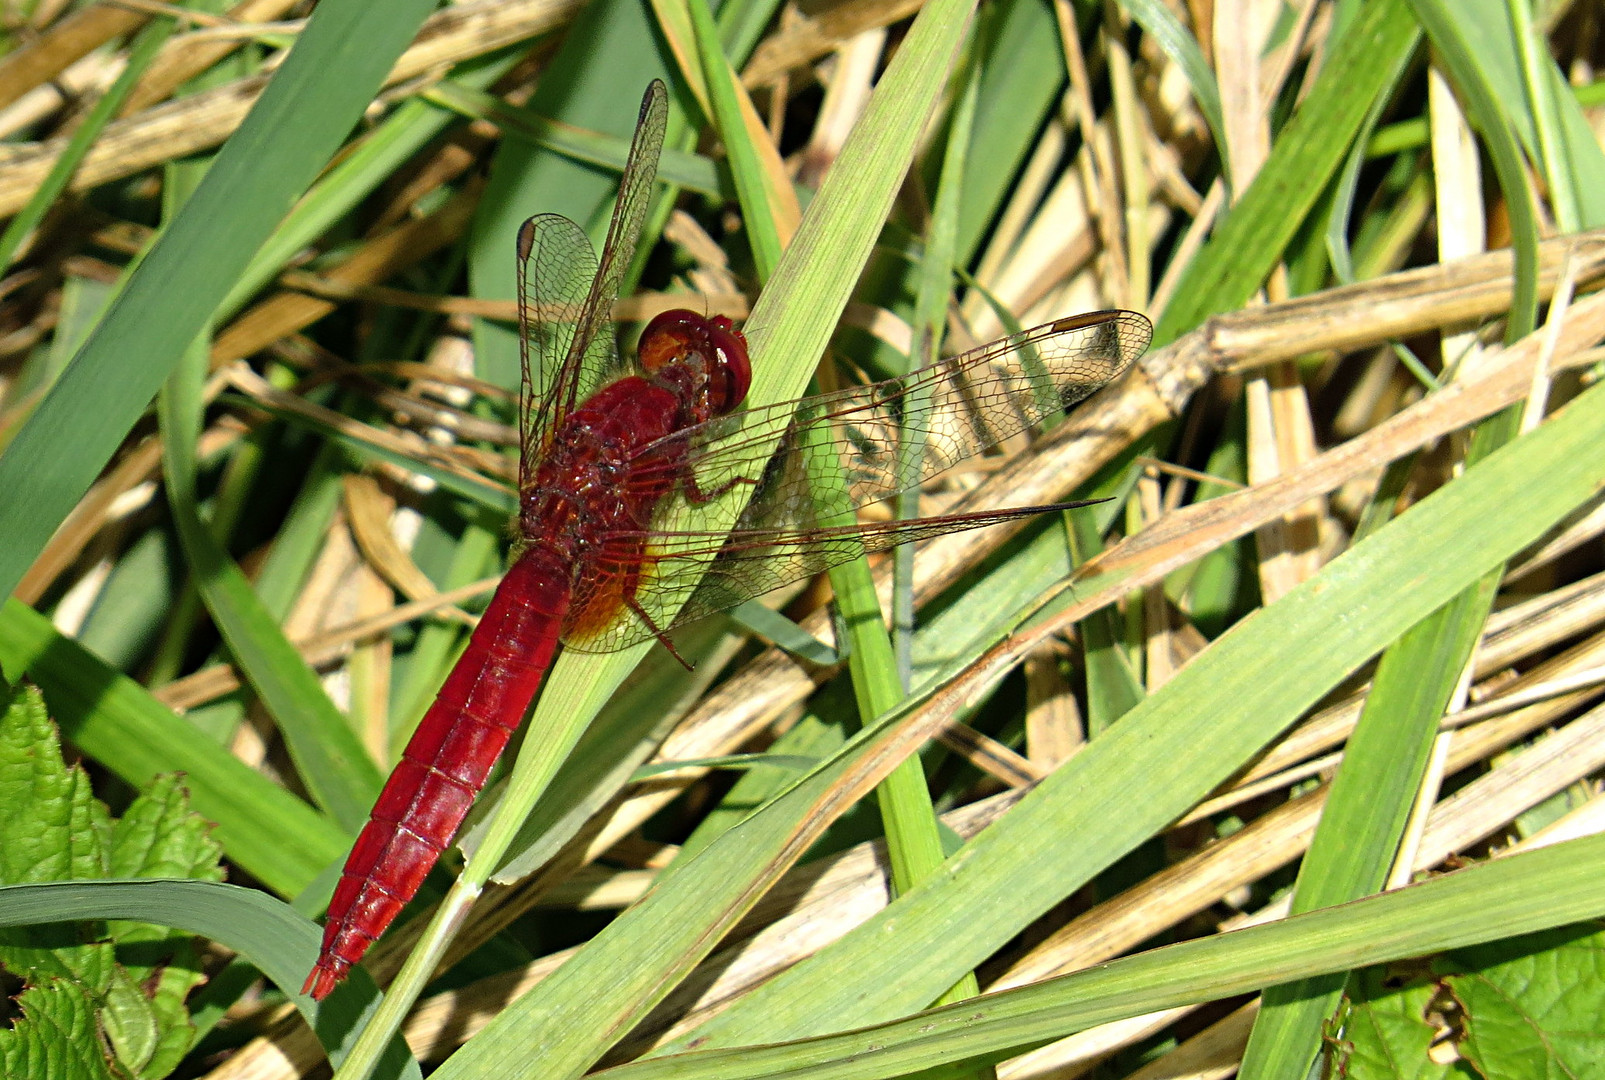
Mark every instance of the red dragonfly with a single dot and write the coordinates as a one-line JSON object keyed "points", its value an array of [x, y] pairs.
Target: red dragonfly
{"points": [[611, 452]]}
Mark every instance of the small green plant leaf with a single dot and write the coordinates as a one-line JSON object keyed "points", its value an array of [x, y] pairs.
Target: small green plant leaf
{"points": [[1386, 1032]]}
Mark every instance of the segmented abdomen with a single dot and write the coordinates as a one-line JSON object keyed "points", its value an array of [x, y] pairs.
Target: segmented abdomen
{"points": [[481, 704]]}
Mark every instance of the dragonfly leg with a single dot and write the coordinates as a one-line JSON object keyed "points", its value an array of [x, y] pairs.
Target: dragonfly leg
{"points": [[696, 496], [641, 614]]}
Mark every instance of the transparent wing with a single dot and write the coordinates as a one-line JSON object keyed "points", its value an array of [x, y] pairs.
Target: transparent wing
{"points": [[566, 292], [556, 266], [703, 573], [886, 437]]}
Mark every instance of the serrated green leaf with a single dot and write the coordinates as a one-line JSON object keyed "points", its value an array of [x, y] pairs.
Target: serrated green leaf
{"points": [[134, 975], [55, 1036], [176, 1030], [158, 836], [54, 829]]}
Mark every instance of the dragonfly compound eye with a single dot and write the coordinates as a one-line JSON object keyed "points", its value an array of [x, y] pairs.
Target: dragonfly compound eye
{"points": [[732, 374]]}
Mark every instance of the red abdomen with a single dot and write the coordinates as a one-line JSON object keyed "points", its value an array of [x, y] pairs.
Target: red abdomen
{"points": [[481, 704]]}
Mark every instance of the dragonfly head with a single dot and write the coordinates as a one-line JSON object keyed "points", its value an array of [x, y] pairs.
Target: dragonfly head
{"points": [[704, 360]]}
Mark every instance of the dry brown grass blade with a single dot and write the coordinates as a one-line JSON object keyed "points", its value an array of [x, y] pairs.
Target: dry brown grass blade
{"points": [[73, 38], [1462, 293], [1522, 629], [1492, 801], [1184, 536], [181, 59], [201, 121], [1543, 623], [368, 511], [282, 315], [819, 31], [1280, 836], [990, 756], [1485, 805]]}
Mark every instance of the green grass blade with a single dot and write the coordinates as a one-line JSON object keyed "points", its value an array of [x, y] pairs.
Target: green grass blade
{"points": [[745, 164], [1532, 56], [328, 756], [1252, 237], [1366, 811], [308, 108], [1484, 903], [1386, 759]]}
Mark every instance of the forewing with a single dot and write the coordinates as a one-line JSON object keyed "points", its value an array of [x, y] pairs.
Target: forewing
{"points": [[894, 435], [887, 436], [624, 231], [556, 267], [566, 291], [690, 575]]}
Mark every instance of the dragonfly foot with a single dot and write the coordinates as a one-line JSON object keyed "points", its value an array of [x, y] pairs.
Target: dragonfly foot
{"points": [[697, 497], [663, 638]]}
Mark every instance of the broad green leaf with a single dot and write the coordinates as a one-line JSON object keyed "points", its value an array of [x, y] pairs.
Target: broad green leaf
{"points": [[1532, 1005]]}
